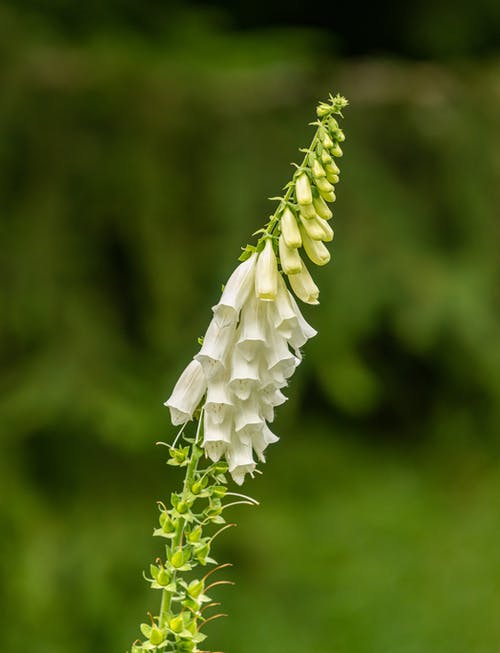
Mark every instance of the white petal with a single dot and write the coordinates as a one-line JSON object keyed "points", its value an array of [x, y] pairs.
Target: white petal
{"points": [[244, 374], [284, 317], [240, 459], [262, 439], [247, 417], [219, 403], [187, 393], [217, 343], [280, 360], [235, 292], [304, 331], [253, 325], [216, 436], [266, 273]]}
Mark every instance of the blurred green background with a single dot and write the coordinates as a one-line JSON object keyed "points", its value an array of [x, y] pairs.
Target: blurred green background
{"points": [[138, 142]]}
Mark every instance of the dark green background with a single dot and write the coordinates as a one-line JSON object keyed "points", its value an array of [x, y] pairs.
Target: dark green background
{"points": [[138, 142]]}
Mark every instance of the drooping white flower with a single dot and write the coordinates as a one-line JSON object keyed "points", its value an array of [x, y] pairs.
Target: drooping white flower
{"points": [[240, 459], [251, 336], [218, 403], [247, 418], [283, 315], [266, 273], [235, 292], [303, 331], [216, 346], [244, 374], [260, 442], [216, 436], [187, 394]]}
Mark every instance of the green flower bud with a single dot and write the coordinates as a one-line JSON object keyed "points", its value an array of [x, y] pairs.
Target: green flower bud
{"points": [[328, 231], [194, 535], [195, 588], [303, 189], [327, 141], [333, 125], [326, 157], [336, 150], [324, 186], [201, 553], [290, 230], [219, 491], [167, 525], [340, 136], [157, 636], [307, 210], [329, 197], [289, 258], [177, 559], [163, 577], [332, 168], [196, 488], [316, 250], [182, 507], [323, 109], [317, 169], [176, 624], [333, 179], [322, 208]]}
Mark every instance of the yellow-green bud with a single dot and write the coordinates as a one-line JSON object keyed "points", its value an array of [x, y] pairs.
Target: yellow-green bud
{"points": [[323, 109], [324, 186], [290, 230], [289, 258], [303, 189], [326, 157], [329, 197], [177, 559], [333, 125], [332, 168], [317, 169], [313, 229], [182, 507], [157, 636], [304, 287], [176, 624], [219, 491], [163, 577], [327, 141], [340, 136], [336, 150], [322, 208], [333, 179], [316, 250], [194, 535], [307, 210], [195, 588], [328, 231], [196, 487]]}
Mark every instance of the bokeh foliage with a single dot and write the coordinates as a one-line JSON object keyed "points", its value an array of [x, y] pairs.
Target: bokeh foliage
{"points": [[130, 174]]}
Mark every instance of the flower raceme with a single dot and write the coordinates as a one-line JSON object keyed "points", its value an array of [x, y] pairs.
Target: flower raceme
{"points": [[252, 345]]}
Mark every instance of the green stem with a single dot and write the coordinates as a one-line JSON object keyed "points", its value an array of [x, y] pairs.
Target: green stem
{"points": [[166, 596]]}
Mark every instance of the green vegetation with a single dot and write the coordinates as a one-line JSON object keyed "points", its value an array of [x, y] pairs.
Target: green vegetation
{"points": [[130, 173]]}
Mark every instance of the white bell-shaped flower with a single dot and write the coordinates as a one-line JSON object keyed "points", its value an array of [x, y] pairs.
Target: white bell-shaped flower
{"points": [[235, 292], [244, 374], [187, 394], [281, 363], [217, 343], [251, 335], [240, 459], [247, 417], [303, 331], [219, 403], [283, 316], [216, 436], [261, 441]]}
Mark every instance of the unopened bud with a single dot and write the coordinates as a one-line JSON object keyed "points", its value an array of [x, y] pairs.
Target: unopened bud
{"points": [[177, 559], [194, 535], [163, 577], [316, 250], [324, 186], [336, 150], [157, 636], [303, 189], [304, 287], [266, 273], [313, 229], [322, 208], [176, 624], [289, 258], [327, 141], [196, 487], [195, 588], [219, 491], [317, 169], [325, 157], [290, 230], [307, 210], [328, 231]]}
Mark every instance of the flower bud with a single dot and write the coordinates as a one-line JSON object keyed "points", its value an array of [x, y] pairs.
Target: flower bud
{"points": [[329, 197], [323, 109], [339, 135], [289, 258], [326, 157], [194, 536], [177, 559], [195, 588], [336, 150], [304, 287], [176, 624], [313, 229], [327, 230], [324, 186], [307, 211], [163, 577], [303, 189], [316, 250], [317, 169], [333, 179], [333, 125], [157, 635], [322, 208], [290, 230], [327, 141], [332, 168], [266, 273]]}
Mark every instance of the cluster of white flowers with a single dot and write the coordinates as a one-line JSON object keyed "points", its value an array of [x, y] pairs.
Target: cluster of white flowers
{"points": [[250, 350]]}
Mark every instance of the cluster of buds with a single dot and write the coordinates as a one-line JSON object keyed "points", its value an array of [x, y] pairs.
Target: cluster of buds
{"points": [[252, 345]]}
